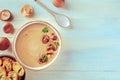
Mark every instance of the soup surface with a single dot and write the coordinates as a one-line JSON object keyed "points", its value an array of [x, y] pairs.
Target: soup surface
{"points": [[37, 44]]}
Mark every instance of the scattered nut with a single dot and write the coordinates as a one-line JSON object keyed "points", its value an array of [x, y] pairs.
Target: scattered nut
{"points": [[8, 28], [5, 15], [27, 10], [58, 3], [4, 43]]}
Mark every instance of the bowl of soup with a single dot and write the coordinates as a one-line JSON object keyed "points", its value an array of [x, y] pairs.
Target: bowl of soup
{"points": [[36, 45]]}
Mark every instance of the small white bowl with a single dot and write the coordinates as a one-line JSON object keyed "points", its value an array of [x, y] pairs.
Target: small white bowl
{"points": [[16, 36]]}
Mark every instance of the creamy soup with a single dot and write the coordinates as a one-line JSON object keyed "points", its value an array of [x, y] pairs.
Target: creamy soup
{"points": [[37, 45]]}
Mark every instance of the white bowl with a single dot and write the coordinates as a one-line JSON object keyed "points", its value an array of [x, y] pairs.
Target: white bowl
{"points": [[16, 36]]}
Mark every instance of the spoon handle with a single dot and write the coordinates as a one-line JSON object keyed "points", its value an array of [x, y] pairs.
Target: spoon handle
{"points": [[41, 4]]}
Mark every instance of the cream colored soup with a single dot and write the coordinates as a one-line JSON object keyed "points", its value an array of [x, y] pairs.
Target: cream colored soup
{"points": [[31, 48]]}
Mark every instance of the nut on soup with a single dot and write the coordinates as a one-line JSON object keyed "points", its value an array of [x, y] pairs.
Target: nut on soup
{"points": [[37, 44]]}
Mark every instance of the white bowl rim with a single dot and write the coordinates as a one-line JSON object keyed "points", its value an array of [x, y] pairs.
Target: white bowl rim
{"points": [[18, 32]]}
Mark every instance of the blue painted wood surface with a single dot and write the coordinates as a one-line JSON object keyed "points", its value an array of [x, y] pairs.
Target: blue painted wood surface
{"points": [[90, 51]]}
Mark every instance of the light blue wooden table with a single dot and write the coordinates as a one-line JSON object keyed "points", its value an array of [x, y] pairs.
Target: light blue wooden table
{"points": [[91, 50]]}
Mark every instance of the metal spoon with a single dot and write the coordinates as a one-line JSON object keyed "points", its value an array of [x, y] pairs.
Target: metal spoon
{"points": [[61, 19]]}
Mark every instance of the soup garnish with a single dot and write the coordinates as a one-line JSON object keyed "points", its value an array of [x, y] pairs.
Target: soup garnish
{"points": [[45, 30], [52, 44]]}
